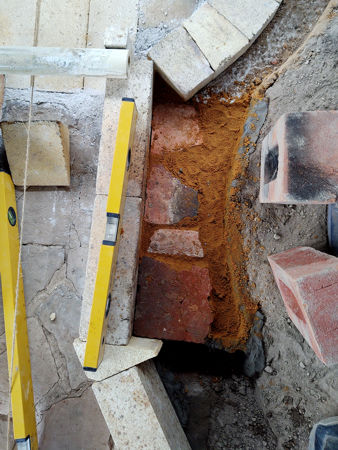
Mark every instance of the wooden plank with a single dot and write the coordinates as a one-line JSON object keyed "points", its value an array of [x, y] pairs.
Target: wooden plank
{"points": [[66, 62], [17, 23], [63, 23]]}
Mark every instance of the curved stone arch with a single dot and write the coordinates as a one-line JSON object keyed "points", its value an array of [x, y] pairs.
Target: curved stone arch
{"points": [[207, 43]]}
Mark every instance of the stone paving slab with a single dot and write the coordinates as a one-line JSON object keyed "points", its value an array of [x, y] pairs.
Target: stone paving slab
{"points": [[138, 411], [62, 24], [118, 358], [104, 14], [181, 63], [140, 87], [17, 28], [124, 288], [49, 159], [249, 16], [220, 41]]}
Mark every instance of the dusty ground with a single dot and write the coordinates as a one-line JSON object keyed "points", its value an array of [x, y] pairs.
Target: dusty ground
{"points": [[219, 407]]}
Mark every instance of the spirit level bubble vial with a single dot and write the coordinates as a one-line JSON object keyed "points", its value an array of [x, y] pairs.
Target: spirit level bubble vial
{"points": [[109, 248], [22, 398]]}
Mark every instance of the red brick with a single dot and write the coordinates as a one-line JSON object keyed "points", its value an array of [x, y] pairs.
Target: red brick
{"points": [[299, 160], [176, 242], [167, 199], [308, 282], [172, 304], [174, 127]]}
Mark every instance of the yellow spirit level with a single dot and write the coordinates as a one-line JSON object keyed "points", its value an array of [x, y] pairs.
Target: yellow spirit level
{"points": [[109, 248], [22, 398]]}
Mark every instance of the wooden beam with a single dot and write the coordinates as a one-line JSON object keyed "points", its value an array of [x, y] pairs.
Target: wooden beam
{"points": [[89, 62]]}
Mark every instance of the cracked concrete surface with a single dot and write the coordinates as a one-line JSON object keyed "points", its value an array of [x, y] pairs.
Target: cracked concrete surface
{"points": [[55, 244]]}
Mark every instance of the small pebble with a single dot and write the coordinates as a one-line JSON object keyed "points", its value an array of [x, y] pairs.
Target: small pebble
{"points": [[52, 316], [268, 369], [276, 236], [302, 365]]}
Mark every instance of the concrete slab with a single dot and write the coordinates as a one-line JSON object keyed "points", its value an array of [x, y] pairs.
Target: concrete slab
{"points": [[17, 21], [110, 13], [181, 63], [124, 288], [48, 163], [118, 358], [138, 411], [140, 87], [249, 16], [220, 41], [62, 24]]}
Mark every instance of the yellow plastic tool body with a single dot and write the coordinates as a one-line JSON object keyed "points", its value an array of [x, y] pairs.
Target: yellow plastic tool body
{"points": [[22, 398], [109, 248]]}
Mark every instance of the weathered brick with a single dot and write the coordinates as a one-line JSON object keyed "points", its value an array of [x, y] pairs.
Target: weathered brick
{"points": [[173, 304], [299, 160], [176, 242], [48, 163], [174, 127], [308, 282], [168, 200]]}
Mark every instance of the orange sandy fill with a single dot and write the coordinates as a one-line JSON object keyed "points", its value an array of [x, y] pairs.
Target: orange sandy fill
{"points": [[210, 167]]}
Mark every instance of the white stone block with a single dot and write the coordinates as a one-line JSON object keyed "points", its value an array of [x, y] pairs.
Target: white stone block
{"points": [[48, 163], [17, 28], [139, 86], [138, 411], [181, 63], [155, 12], [120, 321], [249, 16], [62, 24], [118, 358], [116, 37], [220, 42], [109, 13]]}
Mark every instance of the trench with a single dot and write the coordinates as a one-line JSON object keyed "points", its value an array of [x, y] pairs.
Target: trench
{"points": [[206, 159]]}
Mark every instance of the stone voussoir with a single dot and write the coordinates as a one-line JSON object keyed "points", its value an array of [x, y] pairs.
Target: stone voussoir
{"points": [[181, 63], [220, 41], [248, 16], [48, 163]]}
